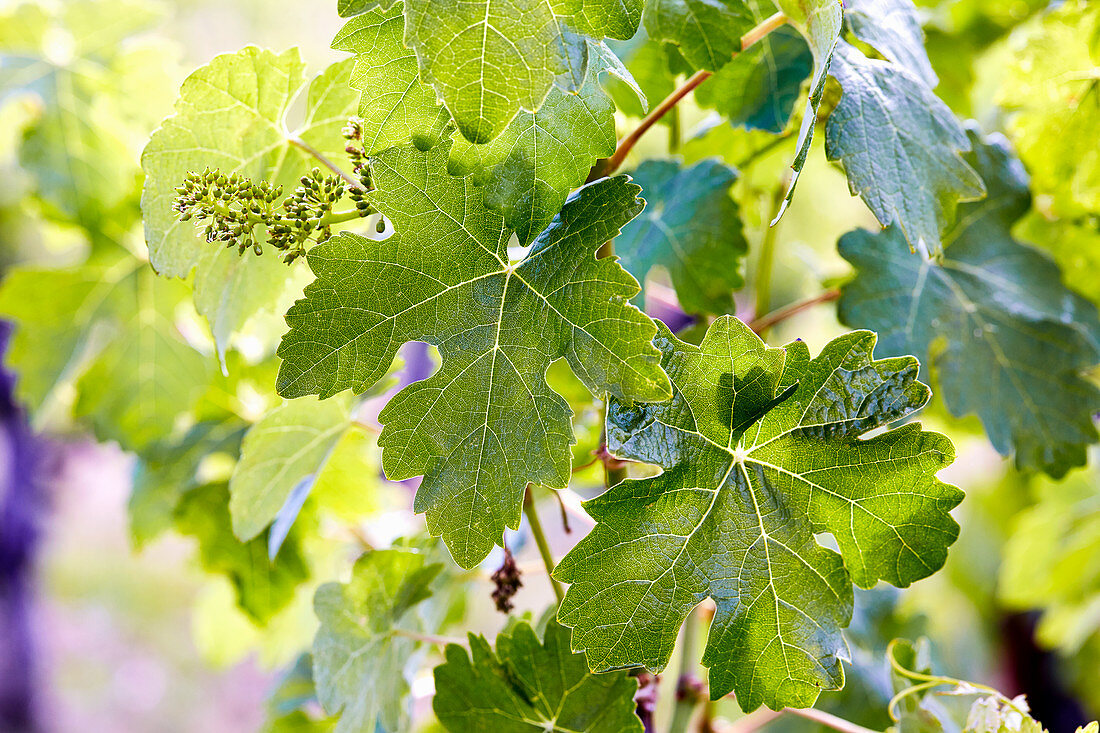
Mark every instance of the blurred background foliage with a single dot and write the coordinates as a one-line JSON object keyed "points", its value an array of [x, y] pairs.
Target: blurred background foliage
{"points": [[137, 608]]}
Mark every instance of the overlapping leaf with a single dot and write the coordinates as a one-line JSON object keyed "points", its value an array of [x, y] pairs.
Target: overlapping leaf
{"points": [[488, 59], [758, 89], [707, 34], [692, 228], [900, 146], [762, 449], [525, 686], [396, 106], [359, 654], [231, 115], [486, 423], [1005, 338], [283, 450], [892, 27], [529, 170]]}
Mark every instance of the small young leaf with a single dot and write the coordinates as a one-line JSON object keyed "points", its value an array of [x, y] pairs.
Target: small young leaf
{"points": [[1004, 337], [286, 447], [530, 687], [900, 146], [692, 228], [359, 661], [762, 449], [486, 423]]}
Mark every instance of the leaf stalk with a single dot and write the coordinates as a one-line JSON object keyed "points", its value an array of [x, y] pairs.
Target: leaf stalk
{"points": [[540, 541]]}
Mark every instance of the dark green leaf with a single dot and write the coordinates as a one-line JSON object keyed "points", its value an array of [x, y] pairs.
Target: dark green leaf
{"points": [[486, 423], [892, 27], [1005, 339], [762, 449], [692, 228], [530, 687]]}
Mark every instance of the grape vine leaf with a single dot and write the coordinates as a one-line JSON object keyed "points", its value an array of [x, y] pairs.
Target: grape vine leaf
{"points": [[649, 66], [893, 28], [396, 107], [1004, 337], [707, 34], [263, 587], [758, 89], [231, 115], [900, 146], [486, 423], [762, 448], [109, 330], [359, 653], [283, 450], [820, 22], [489, 59], [692, 228], [528, 686], [530, 168]]}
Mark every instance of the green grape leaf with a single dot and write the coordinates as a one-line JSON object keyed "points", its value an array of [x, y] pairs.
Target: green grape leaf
{"points": [[648, 63], [263, 587], [528, 171], [396, 107], [762, 449], [349, 8], [1074, 245], [1003, 336], [1053, 93], [758, 89], [1052, 561], [231, 115], [167, 470], [707, 34], [900, 146], [489, 59], [109, 330], [820, 22], [486, 423], [892, 27], [528, 686], [359, 655], [692, 228], [284, 449]]}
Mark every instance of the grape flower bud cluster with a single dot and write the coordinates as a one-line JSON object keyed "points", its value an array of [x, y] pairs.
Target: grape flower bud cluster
{"points": [[232, 206]]}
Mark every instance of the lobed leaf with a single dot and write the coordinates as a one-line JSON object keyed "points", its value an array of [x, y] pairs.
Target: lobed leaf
{"points": [[900, 147], [486, 423], [692, 228], [528, 686], [762, 449], [1005, 338]]}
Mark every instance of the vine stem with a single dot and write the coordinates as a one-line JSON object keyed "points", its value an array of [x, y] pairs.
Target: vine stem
{"points": [[339, 217], [428, 638], [540, 541], [757, 719], [762, 324], [610, 165], [766, 261], [686, 700], [309, 149]]}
